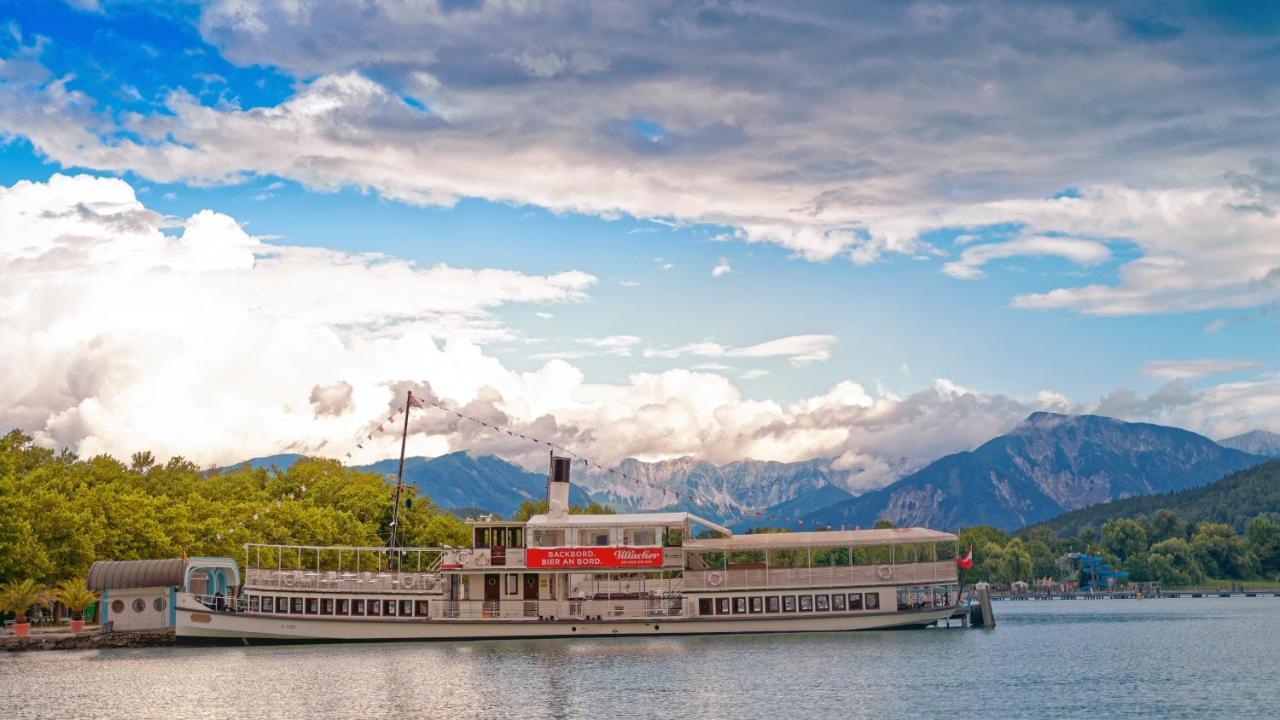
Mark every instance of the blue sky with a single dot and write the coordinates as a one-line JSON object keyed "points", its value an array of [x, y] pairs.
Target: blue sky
{"points": [[1037, 208]]}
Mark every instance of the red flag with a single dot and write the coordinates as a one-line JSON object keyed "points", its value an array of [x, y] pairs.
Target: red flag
{"points": [[414, 401], [966, 562]]}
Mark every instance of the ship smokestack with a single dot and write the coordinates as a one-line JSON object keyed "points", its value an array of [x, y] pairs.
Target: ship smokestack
{"points": [[558, 486]]}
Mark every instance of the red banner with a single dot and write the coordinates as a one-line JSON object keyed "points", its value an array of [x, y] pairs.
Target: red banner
{"points": [[593, 557]]}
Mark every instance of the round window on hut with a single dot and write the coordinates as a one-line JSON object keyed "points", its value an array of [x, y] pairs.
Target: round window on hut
{"points": [[117, 606], [158, 604], [139, 605]]}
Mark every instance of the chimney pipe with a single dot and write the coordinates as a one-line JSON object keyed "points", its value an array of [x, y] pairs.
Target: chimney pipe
{"points": [[558, 486]]}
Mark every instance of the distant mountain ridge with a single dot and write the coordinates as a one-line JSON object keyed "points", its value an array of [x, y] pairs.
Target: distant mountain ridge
{"points": [[1233, 500], [1256, 442], [1047, 465]]}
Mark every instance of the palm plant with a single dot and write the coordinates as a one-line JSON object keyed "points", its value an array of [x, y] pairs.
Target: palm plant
{"points": [[76, 596], [18, 597]]}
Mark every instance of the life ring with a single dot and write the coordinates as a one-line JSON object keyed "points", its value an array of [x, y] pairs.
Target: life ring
{"points": [[482, 560], [885, 572], [714, 578], [464, 557], [406, 582], [289, 580]]}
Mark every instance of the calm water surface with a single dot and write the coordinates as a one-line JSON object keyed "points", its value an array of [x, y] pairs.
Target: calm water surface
{"points": [[1215, 657]]}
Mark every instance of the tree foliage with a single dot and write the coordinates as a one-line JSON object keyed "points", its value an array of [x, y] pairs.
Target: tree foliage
{"points": [[59, 513]]}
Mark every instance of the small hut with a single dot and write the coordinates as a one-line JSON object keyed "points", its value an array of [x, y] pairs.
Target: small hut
{"points": [[141, 594]]}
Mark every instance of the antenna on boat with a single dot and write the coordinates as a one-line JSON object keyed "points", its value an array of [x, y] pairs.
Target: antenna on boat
{"points": [[395, 507]]}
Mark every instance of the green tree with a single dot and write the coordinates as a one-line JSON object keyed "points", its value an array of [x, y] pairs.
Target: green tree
{"points": [[1124, 538], [1264, 541]]}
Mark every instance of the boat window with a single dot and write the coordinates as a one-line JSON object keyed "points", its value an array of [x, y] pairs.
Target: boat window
{"points": [[296, 608], [282, 604], [830, 557], [757, 604], [357, 607], [783, 559], [388, 608], [375, 608], [513, 584], [872, 601], [406, 608], [739, 606], [673, 537], [421, 609], [313, 606], [722, 606], [547, 537], [706, 606], [593, 537], [788, 603], [855, 601], [821, 603], [344, 606], [326, 606], [873, 555], [837, 602], [772, 604], [515, 537], [641, 537], [746, 560], [268, 604], [945, 551], [806, 603]]}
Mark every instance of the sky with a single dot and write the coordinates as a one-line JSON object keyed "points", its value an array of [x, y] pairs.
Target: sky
{"points": [[876, 233]]}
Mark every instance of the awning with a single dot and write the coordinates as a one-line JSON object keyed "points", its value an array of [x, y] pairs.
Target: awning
{"points": [[118, 574]]}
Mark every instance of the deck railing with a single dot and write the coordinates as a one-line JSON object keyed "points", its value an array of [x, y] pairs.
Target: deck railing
{"points": [[349, 582], [739, 579]]}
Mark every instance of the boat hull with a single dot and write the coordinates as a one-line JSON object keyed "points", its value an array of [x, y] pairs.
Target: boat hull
{"points": [[204, 627]]}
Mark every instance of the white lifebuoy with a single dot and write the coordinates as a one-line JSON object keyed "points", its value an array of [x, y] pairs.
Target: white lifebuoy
{"points": [[406, 582], [289, 580], [885, 572], [714, 578], [464, 557]]}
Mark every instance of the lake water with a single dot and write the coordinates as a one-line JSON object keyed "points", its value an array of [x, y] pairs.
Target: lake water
{"points": [[1213, 657]]}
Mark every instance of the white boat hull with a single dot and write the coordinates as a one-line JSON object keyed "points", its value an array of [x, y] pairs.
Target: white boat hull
{"points": [[196, 626]]}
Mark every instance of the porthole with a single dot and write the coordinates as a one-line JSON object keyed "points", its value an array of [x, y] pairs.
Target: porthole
{"points": [[139, 605], [117, 606], [158, 604]]}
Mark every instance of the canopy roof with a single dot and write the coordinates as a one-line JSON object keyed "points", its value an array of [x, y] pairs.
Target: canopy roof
{"points": [[118, 574], [822, 538], [667, 519]]}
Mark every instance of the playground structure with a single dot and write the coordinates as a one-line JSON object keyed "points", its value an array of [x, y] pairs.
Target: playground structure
{"points": [[1093, 572]]}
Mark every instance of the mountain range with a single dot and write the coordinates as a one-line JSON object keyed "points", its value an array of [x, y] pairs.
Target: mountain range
{"points": [[1048, 465], [1257, 442]]}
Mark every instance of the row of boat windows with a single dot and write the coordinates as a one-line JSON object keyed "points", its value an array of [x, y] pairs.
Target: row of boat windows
{"points": [[756, 604], [359, 607]]}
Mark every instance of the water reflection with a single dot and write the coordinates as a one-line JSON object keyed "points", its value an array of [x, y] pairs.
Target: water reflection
{"points": [[1173, 658]]}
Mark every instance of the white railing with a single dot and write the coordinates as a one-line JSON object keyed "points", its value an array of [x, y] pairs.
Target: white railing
{"points": [[739, 579], [535, 610], [348, 582]]}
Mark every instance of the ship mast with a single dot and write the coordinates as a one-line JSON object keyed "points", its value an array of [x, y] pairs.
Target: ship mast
{"points": [[395, 507]]}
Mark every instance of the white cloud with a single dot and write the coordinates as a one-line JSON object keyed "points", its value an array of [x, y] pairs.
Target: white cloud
{"points": [[118, 326], [800, 349], [753, 374], [1081, 252], [722, 268], [1192, 369], [619, 345], [740, 144], [543, 315]]}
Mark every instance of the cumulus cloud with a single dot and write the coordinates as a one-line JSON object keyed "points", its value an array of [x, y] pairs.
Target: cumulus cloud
{"points": [[122, 319], [690, 114], [722, 268]]}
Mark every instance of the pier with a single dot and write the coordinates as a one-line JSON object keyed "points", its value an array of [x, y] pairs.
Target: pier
{"points": [[1134, 595]]}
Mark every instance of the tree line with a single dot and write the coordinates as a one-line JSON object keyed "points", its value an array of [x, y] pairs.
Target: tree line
{"points": [[60, 512], [1162, 547]]}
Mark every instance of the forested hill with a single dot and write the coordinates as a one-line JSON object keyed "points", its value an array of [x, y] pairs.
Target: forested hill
{"points": [[1232, 500]]}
